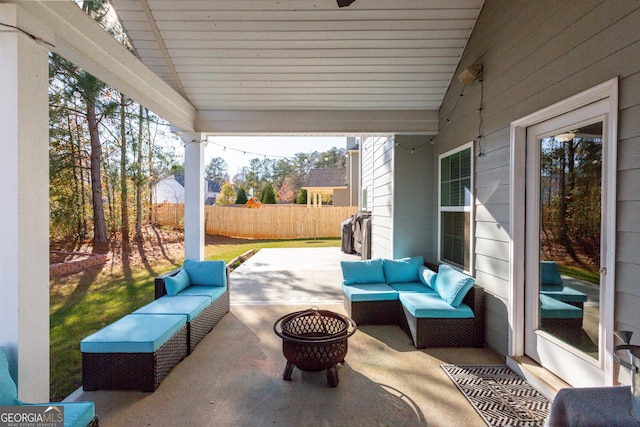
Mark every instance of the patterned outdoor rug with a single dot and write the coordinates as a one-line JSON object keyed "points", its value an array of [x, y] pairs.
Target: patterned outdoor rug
{"points": [[499, 395]]}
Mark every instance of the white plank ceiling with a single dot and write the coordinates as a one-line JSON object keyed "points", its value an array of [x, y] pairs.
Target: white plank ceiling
{"points": [[302, 55]]}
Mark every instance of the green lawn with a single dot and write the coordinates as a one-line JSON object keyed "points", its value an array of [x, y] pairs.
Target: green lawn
{"points": [[83, 303], [580, 274]]}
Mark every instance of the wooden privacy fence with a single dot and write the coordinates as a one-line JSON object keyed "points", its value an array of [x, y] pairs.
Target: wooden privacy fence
{"points": [[265, 222]]}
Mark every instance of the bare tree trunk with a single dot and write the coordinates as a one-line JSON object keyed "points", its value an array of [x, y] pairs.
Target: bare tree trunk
{"points": [[139, 178], [124, 205], [81, 166], [80, 231], [99, 226], [150, 159], [111, 197]]}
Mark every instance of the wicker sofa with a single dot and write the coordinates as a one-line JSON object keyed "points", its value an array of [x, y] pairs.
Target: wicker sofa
{"points": [[435, 309], [75, 414], [139, 350]]}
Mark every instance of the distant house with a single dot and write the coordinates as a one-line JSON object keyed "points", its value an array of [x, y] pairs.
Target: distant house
{"points": [[170, 189], [340, 184], [211, 192]]}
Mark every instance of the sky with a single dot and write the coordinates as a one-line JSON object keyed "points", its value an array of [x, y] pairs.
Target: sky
{"points": [[237, 151]]}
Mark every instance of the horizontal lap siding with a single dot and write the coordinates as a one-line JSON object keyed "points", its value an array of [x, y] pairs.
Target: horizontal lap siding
{"points": [[414, 197], [382, 211], [534, 54]]}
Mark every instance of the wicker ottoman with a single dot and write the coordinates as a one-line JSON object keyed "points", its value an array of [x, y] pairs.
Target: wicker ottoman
{"points": [[371, 303], [134, 353], [431, 322]]}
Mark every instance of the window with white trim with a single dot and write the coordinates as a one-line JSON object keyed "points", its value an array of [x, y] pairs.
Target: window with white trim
{"points": [[454, 207]]}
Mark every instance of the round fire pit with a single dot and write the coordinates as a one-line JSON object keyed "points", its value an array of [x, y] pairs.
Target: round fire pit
{"points": [[313, 340]]}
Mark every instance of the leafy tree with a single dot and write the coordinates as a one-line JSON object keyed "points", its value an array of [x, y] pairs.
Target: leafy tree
{"points": [[302, 197], [268, 196], [216, 170], [281, 170], [334, 158], [227, 195], [241, 197], [286, 193]]}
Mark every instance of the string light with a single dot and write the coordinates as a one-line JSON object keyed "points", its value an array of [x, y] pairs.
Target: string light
{"points": [[244, 152], [480, 153], [36, 39], [448, 119]]}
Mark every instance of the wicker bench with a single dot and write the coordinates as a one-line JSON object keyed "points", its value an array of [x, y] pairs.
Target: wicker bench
{"points": [[139, 350], [416, 308], [134, 353]]}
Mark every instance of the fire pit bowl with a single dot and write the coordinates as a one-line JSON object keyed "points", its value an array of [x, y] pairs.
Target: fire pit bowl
{"points": [[313, 340]]}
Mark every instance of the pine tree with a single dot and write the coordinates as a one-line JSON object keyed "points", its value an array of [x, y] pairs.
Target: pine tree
{"points": [[241, 197], [268, 196]]}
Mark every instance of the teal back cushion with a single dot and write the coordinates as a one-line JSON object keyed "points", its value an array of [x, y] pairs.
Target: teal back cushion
{"points": [[206, 273], [452, 285], [368, 271], [176, 283], [8, 389], [402, 270], [427, 276], [550, 279]]}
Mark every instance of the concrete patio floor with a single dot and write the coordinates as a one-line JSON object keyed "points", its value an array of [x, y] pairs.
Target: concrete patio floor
{"points": [[234, 376]]}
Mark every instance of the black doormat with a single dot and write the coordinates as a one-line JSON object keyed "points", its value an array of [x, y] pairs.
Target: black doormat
{"points": [[499, 395]]}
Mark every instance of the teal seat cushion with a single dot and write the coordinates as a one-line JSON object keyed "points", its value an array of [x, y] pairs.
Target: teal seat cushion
{"points": [[402, 270], [370, 292], [206, 273], [427, 276], [76, 414], [452, 285], [411, 287], [551, 308], [430, 305], [134, 333], [368, 271], [566, 294], [176, 283], [8, 389], [213, 292], [191, 306], [550, 279]]}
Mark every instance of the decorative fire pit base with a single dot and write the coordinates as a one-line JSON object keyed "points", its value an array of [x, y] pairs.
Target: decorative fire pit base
{"points": [[313, 340]]}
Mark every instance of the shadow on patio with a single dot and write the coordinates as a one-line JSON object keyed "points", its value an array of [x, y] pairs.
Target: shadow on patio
{"points": [[234, 376]]}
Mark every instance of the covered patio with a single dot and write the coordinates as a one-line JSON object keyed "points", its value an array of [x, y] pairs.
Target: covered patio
{"points": [[383, 70], [234, 376]]}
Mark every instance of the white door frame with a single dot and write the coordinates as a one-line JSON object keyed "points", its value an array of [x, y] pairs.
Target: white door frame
{"points": [[607, 90]]}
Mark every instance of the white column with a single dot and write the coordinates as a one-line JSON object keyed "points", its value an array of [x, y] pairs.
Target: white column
{"points": [[24, 194], [194, 196]]}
